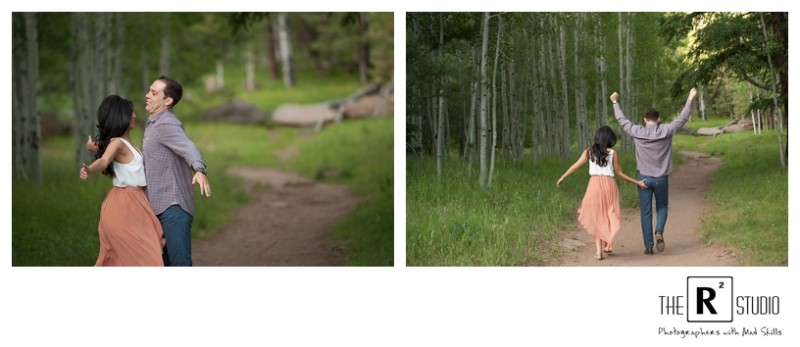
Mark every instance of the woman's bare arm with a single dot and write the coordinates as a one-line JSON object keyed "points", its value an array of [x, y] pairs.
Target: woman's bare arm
{"points": [[582, 160], [618, 171]]}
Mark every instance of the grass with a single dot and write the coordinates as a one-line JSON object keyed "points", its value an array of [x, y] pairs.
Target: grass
{"points": [[361, 153], [452, 222], [749, 197], [62, 231]]}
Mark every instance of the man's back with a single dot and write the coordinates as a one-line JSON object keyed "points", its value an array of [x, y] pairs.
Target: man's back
{"points": [[653, 141]]}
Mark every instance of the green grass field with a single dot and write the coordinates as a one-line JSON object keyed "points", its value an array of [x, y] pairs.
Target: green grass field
{"points": [[749, 196], [452, 222], [517, 221]]}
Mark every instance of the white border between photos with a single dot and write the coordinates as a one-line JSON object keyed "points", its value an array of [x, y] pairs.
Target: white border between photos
{"points": [[395, 306]]}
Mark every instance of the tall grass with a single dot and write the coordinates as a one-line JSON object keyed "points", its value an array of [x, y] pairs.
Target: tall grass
{"points": [[361, 153], [517, 221], [749, 196]]}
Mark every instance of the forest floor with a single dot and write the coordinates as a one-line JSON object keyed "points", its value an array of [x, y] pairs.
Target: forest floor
{"points": [[287, 224], [688, 185]]}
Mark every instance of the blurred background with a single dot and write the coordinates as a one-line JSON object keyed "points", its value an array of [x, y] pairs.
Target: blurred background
{"points": [[306, 93]]}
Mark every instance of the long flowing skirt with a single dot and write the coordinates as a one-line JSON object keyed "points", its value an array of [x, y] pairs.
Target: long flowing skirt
{"points": [[599, 212], [130, 233]]}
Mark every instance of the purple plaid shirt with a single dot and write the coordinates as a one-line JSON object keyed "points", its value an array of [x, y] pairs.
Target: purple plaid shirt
{"points": [[653, 142], [169, 161]]}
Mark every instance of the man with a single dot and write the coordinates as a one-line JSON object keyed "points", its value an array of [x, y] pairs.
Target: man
{"points": [[653, 143], [172, 165]]}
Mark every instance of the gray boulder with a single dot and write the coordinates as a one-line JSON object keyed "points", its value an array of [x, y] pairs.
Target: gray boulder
{"points": [[236, 111], [303, 115]]}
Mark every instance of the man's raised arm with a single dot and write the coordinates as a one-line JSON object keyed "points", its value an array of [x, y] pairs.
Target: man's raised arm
{"points": [[626, 124], [687, 110]]}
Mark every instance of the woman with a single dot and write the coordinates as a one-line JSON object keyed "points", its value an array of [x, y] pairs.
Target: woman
{"points": [[600, 212], [130, 234]]}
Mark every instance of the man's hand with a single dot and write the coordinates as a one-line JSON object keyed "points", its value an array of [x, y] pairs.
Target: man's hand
{"points": [[91, 146], [202, 181], [614, 97], [692, 93]]}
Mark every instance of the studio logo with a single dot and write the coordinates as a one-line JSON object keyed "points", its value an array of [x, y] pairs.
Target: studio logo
{"points": [[709, 306], [709, 299]]}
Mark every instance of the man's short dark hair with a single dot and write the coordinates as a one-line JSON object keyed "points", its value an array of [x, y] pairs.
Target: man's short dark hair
{"points": [[651, 114], [172, 89]]}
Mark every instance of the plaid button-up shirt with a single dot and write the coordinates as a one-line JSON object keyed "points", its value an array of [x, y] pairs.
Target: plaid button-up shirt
{"points": [[653, 142], [169, 161]]}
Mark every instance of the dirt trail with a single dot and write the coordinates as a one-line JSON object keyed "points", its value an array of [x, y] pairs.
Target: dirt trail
{"points": [[688, 185], [285, 225]]}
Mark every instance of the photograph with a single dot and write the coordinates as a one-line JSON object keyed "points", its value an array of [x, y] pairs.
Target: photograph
{"points": [[202, 139], [233, 174], [597, 139]]}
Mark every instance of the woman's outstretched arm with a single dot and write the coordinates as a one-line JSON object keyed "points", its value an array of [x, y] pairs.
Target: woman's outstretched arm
{"points": [[103, 162], [582, 160]]}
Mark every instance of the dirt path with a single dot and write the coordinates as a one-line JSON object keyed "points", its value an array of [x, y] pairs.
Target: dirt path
{"points": [[688, 186], [287, 224]]}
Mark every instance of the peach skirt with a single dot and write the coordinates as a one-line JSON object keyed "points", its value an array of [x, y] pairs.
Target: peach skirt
{"points": [[599, 212], [130, 233]]}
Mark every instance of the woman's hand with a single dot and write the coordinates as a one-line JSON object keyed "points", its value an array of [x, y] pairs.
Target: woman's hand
{"points": [[91, 146], [560, 180], [84, 172], [642, 184]]}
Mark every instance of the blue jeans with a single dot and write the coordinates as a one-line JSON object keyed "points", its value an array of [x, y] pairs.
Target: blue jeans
{"points": [[658, 186], [177, 225]]}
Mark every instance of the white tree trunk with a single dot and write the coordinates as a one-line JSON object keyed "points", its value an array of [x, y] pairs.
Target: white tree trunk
{"points": [[535, 106], [117, 58], [440, 138], [220, 74], [483, 150], [562, 59], [473, 112], [250, 70], [603, 81], [164, 61], [631, 89], [774, 87], [703, 105], [620, 44], [286, 51], [576, 65], [25, 111], [492, 150]]}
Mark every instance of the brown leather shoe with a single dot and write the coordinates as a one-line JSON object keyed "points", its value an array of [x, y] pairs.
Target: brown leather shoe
{"points": [[660, 241], [648, 251]]}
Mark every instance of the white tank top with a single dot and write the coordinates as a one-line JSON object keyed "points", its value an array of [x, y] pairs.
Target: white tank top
{"points": [[607, 170], [130, 174]]}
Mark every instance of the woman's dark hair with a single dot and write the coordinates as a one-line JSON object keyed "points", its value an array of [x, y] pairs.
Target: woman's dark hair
{"points": [[604, 139], [113, 119]]}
